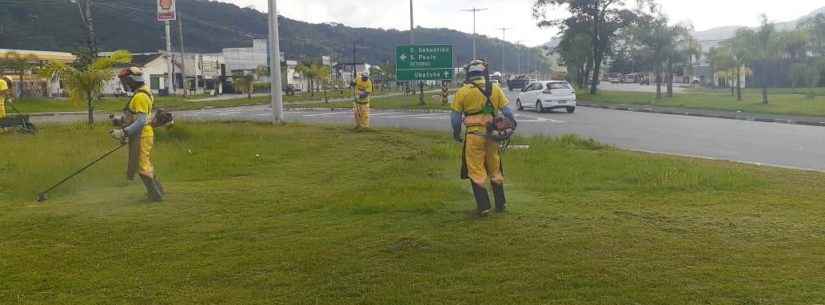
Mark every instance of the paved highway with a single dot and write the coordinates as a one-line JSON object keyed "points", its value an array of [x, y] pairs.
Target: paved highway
{"points": [[783, 145]]}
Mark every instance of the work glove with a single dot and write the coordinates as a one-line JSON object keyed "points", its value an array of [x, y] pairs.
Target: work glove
{"points": [[119, 134]]}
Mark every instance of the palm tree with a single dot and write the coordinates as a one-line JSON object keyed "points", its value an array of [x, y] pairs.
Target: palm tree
{"points": [[766, 47], [742, 52], [86, 83]]}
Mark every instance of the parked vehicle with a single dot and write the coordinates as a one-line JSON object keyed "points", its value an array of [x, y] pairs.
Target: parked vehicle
{"points": [[518, 83], [614, 78], [631, 78], [547, 95]]}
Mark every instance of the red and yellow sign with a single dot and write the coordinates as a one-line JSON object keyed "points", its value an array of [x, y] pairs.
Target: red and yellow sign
{"points": [[166, 10]]}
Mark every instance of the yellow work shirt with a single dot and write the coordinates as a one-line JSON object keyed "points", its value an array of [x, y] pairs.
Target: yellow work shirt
{"points": [[470, 101], [363, 85], [4, 89], [142, 102]]}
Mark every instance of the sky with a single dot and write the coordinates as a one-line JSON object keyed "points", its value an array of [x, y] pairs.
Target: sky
{"points": [[516, 14]]}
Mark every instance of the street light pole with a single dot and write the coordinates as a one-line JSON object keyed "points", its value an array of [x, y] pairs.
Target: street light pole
{"points": [[518, 56], [412, 24], [474, 11], [275, 65], [503, 44]]}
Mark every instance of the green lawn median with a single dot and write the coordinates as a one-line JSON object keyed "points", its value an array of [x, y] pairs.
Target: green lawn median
{"points": [[298, 214], [387, 103], [781, 101]]}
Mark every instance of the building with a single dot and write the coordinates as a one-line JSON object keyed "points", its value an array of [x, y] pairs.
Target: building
{"points": [[32, 84], [244, 60], [203, 73]]}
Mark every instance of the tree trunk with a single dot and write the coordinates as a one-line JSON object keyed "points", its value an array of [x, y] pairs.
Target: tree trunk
{"points": [[669, 78], [764, 93], [739, 83], [658, 82], [597, 53], [597, 66], [91, 110]]}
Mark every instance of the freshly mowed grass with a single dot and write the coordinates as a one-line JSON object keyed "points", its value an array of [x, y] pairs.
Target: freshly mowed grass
{"points": [[781, 101], [329, 216]]}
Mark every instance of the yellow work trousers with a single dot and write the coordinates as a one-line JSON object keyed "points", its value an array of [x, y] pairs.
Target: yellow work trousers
{"points": [[145, 167], [482, 160], [2, 108], [362, 115]]}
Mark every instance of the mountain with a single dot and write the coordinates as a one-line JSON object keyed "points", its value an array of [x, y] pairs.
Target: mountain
{"points": [[210, 26], [712, 37]]}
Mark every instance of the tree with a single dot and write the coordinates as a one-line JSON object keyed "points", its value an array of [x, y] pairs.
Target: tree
{"points": [[741, 48], [578, 63], [603, 18], [722, 63], [766, 47], [86, 83], [245, 83]]}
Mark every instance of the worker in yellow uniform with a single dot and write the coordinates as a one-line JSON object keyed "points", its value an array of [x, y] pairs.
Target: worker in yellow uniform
{"points": [[476, 105], [361, 109], [5, 85], [138, 132]]}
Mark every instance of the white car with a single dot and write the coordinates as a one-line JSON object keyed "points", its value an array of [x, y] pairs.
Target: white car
{"points": [[547, 95]]}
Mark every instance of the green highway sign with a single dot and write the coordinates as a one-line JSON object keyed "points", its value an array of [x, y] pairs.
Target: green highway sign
{"points": [[427, 74], [424, 62]]}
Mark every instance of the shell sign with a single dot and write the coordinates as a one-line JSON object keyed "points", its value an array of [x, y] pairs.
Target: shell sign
{"points": [[166, 10]]}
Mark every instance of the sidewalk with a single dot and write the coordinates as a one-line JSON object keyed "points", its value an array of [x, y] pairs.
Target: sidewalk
{"points": [[719, 114]]}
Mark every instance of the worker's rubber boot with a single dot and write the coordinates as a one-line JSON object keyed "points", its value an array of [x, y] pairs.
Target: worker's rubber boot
{"points": [[153, 192], [482, 200], [501, 200]]}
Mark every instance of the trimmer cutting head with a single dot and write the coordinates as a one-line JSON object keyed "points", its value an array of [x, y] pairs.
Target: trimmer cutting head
{"points": [[42, 197]]}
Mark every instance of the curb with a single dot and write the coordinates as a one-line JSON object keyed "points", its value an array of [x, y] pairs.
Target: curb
{"points": [[687, 112], [317, 109]]}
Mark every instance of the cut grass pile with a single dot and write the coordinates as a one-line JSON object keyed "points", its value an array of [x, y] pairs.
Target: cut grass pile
{"points": [[781, 101], [322, 215]]}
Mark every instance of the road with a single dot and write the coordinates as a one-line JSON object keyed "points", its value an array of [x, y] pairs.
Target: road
{"points": [[782, 145]]}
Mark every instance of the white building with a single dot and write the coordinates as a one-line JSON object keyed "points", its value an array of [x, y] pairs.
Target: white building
{"points": [[246, 59]]}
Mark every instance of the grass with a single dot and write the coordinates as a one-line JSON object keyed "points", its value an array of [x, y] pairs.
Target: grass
{"points": [[395, 102], [781, 101], [328, 216]]}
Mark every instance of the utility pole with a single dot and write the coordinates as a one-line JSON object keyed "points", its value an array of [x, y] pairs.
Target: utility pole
{"points": [[85, 7], [518, 56], [170, 76], [412, 24], [354, 68], [275, 65], [182, 54], [474, 11], [503, 45]]}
